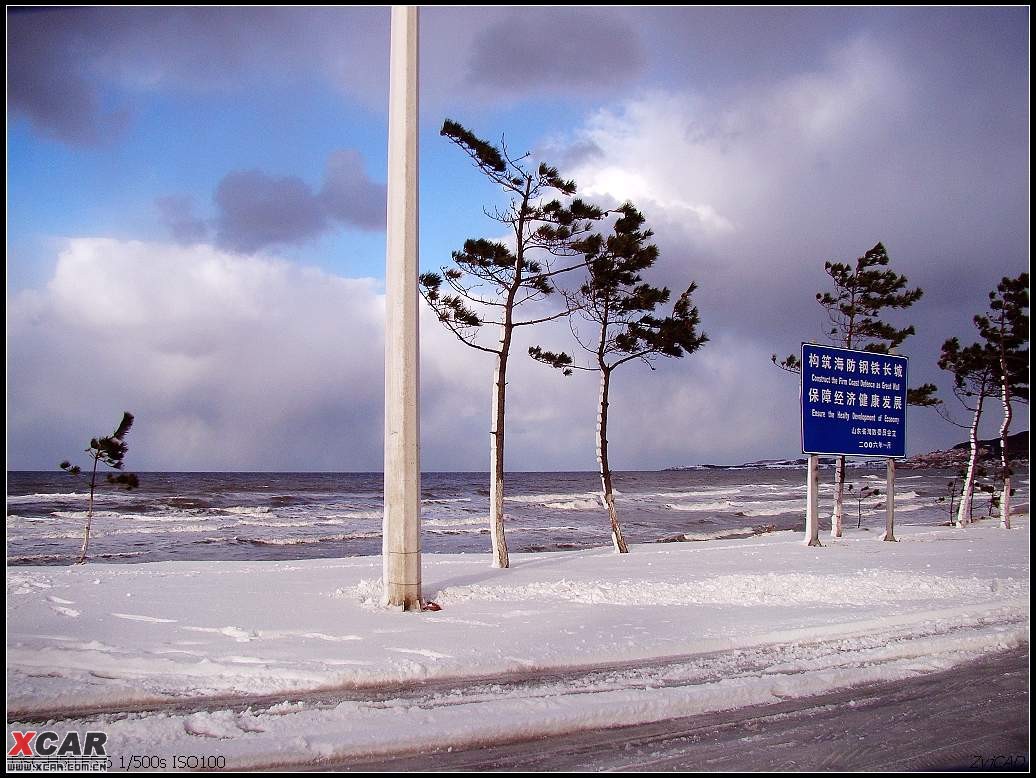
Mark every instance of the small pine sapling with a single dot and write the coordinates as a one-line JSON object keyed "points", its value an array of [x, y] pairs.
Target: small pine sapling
{"points": [[109, 450], [951, 494], [860, 496]]}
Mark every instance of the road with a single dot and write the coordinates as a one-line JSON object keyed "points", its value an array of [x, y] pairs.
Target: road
{"points": [[974, 717]]}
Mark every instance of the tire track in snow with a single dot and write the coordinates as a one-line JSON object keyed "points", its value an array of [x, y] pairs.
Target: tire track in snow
{"points": [[772, 659]]}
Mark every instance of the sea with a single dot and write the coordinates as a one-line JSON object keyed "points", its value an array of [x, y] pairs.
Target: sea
{"points": [[281, 516]]}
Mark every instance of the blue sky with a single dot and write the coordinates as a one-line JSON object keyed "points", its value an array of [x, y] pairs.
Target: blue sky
{"points": [[205, 170]]}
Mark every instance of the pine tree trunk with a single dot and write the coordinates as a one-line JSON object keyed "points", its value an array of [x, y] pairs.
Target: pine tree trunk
{"points": [[89, 516], [964, 509], [839, 508], [1005, 499], [496, 463], [1005, 398], [608, 493]]}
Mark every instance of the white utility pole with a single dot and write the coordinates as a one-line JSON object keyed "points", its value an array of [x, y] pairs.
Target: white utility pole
{"points": [[813, 501], [401, 538]]}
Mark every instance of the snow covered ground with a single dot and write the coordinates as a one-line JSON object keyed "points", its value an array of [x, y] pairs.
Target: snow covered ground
{"points": [[298, 662]]}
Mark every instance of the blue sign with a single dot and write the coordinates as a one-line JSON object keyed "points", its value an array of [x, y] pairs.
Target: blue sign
{"points": [[853, 402]]}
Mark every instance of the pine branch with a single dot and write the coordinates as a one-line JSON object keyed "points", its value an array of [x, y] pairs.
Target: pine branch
{"points": [[558, 360], [923, 396]]}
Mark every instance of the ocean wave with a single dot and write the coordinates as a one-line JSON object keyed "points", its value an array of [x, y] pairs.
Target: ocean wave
{"points": [[37, 559], [725, 505], [583, 504], [695, 493], [68, 558], [247, 510], [355, 515], [186, 504], [102, 496], [175, 529], [549, 529], [285, 500], [83, 514], [716, 535], [163, 518], [257, 523], [549, 499], [306, 541], [453, 522], [770, 507], [20, 499], [150, 518]]}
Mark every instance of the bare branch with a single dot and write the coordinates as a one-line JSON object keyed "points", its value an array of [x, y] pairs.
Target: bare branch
{"points": [[944, 413], [466, 341]]}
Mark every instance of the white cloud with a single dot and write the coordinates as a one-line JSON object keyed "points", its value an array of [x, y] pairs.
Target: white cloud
{"points": [[228, 362], [761, 159], [234, 362]]}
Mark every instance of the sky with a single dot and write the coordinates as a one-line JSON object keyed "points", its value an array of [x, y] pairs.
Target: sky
{"points": [[195, 217]]}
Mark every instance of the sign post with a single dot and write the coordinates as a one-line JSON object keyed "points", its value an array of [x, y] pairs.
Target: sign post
{"points": [[853, 403], [890, 501], [813, 502]]}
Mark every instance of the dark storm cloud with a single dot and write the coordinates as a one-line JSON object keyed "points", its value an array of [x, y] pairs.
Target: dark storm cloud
{"points": [[255, 210], [349, 196], [51, 86], [67, 67], [548, 49], [177, 214]]}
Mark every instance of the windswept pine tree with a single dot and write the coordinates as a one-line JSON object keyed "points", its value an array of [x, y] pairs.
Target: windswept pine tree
{"points": [[861, 294], [620, 308], [976, 376], [490, 283], [109, 450], [1005, 329]]}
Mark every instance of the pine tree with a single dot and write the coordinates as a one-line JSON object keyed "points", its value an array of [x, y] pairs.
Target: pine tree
{"points": [[489, 282], [620, 308], [110, 451], [861, 294], [1005, 329], [864, 493], [976, 376]]}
